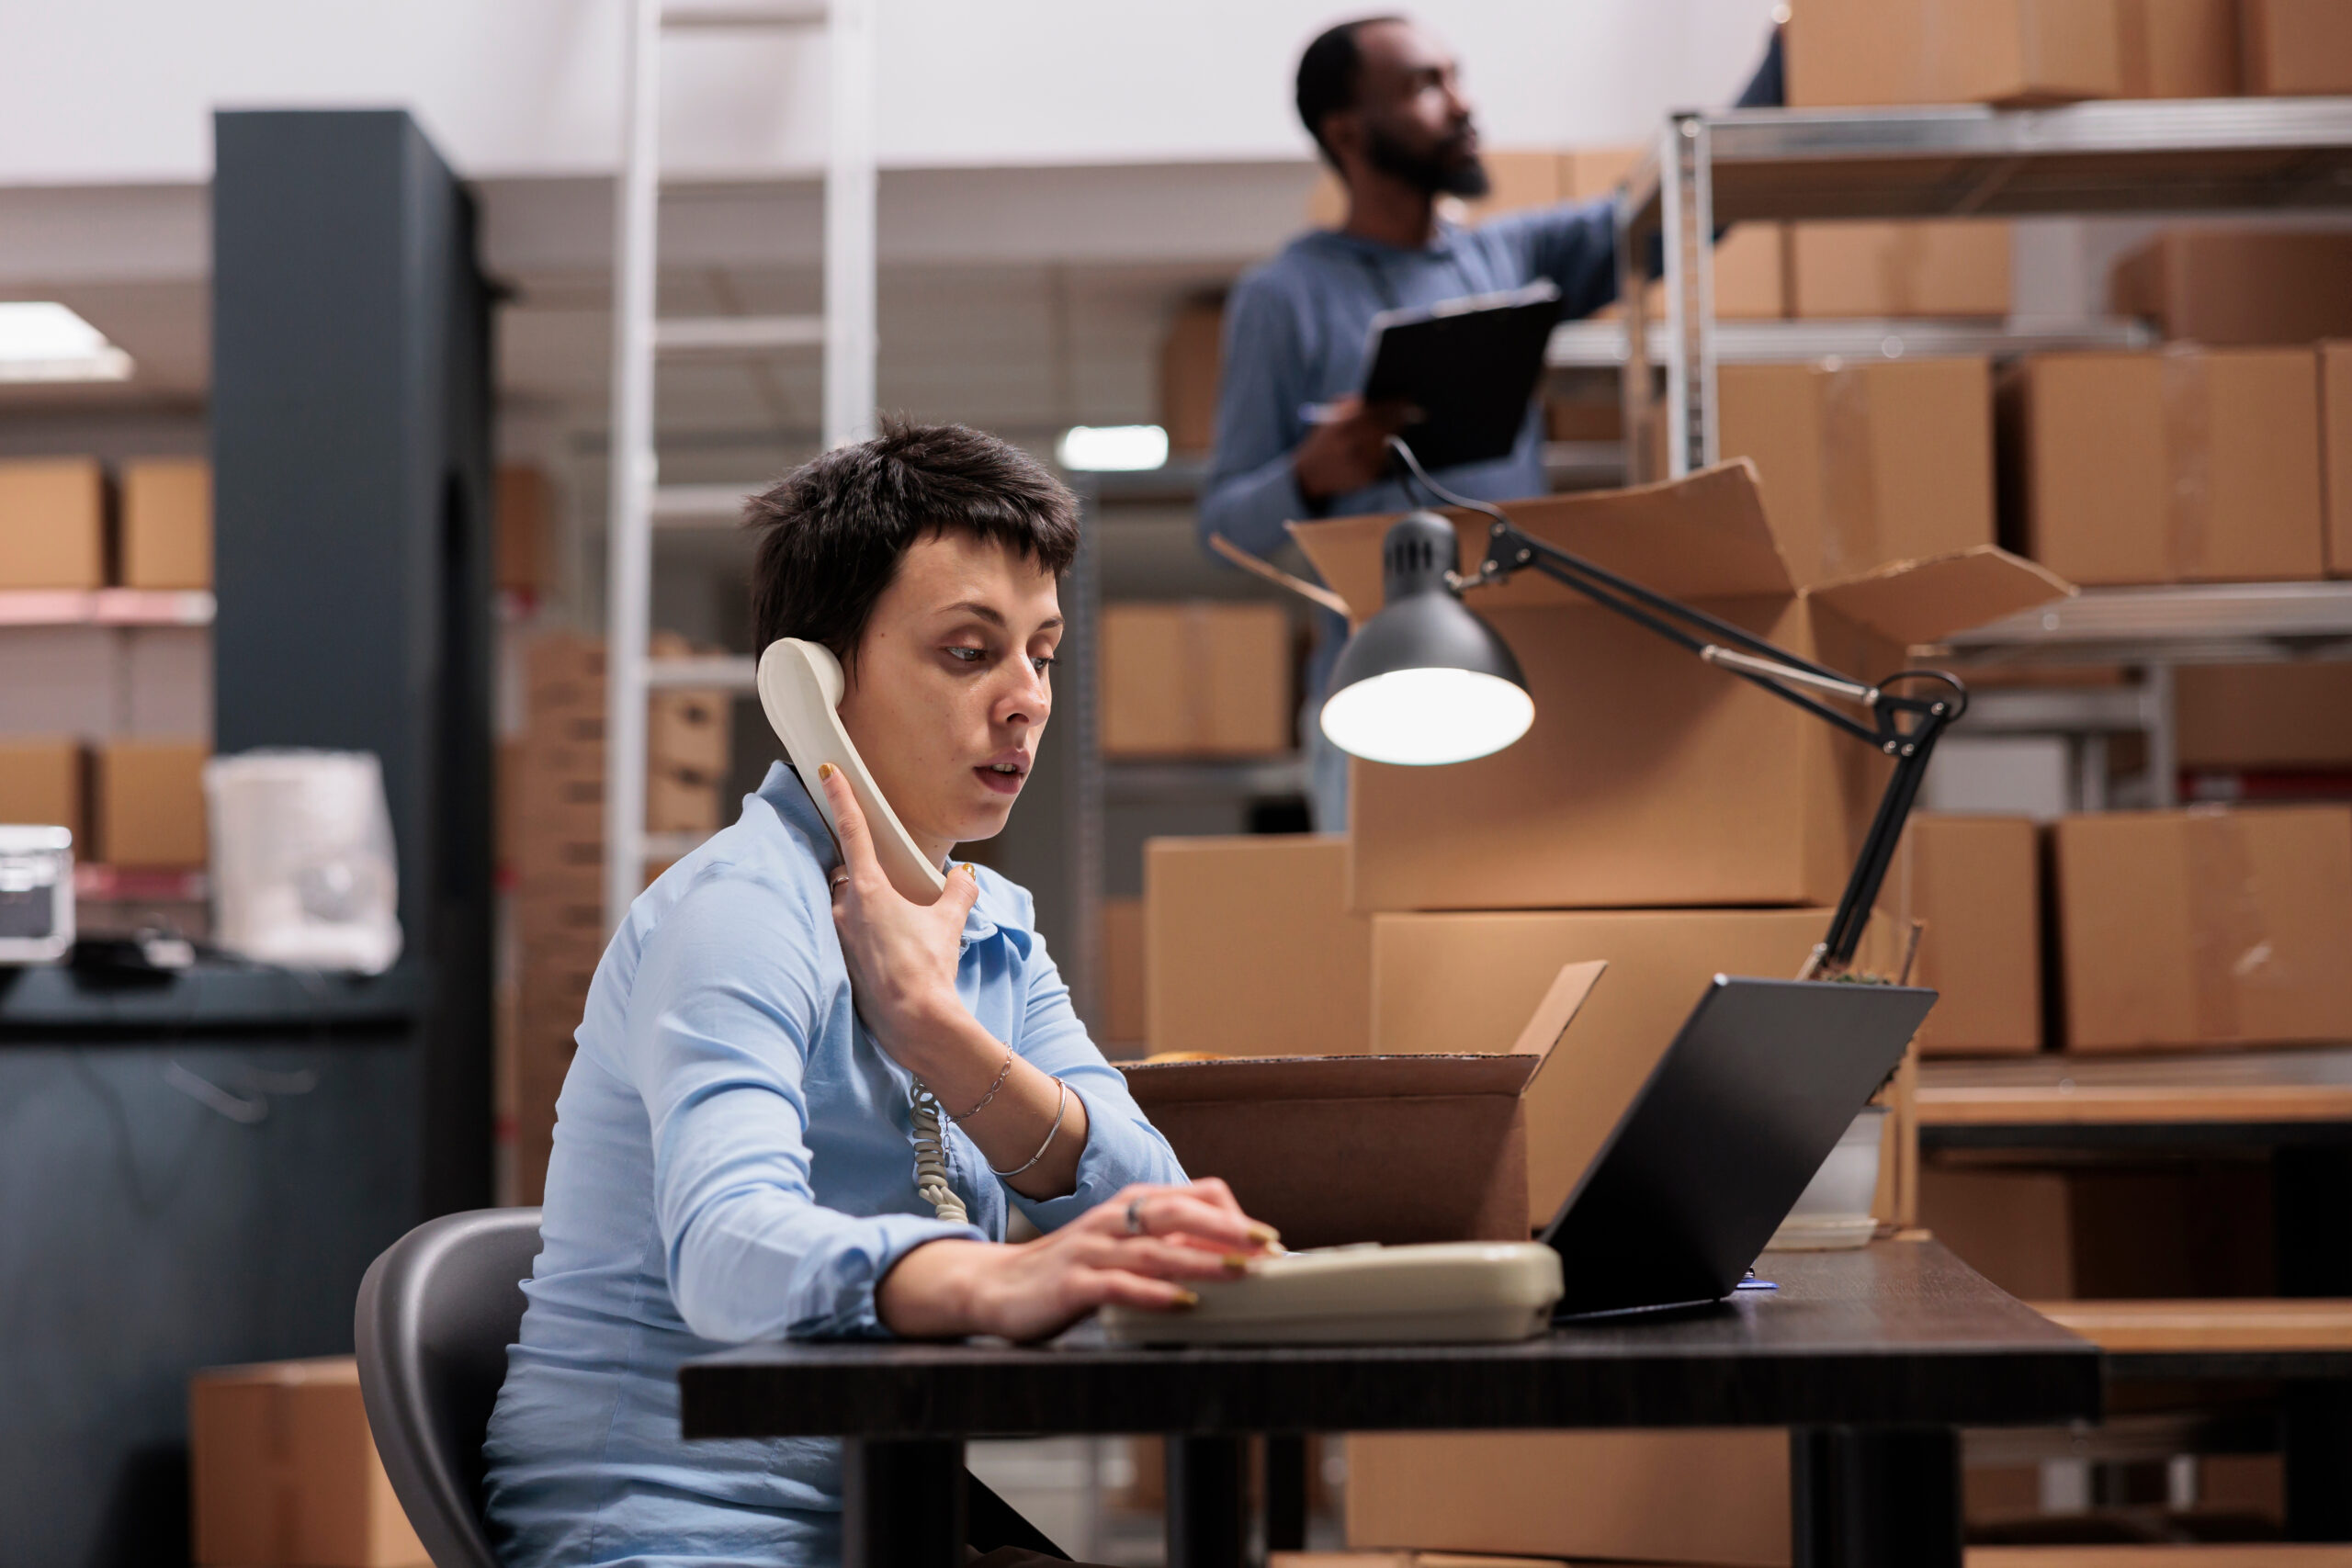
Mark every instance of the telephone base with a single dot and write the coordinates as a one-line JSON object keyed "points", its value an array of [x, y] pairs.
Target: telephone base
{"points": [[1429, 1294]]}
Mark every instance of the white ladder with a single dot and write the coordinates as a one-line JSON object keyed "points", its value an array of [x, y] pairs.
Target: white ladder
{"points": [[845, 332]]}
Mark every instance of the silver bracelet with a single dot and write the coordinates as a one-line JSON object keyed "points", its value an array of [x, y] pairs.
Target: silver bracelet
{"points": [[1001, 1073], [1062, 1106]]}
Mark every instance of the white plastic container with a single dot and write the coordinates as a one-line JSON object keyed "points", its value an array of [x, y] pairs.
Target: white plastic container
{"points": [[1834, 1210], [302, 868]]}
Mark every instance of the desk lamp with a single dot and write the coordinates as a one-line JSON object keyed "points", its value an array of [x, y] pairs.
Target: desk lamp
{"points": [[1426, 681]]}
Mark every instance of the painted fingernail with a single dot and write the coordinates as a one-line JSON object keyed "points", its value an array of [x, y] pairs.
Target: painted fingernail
{"points": [[1186, 1298], [824, 772], [1265, 1235], [1235, 1263]]}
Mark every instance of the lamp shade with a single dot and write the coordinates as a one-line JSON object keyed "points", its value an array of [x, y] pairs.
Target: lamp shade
{"points": [[1424, 680]]}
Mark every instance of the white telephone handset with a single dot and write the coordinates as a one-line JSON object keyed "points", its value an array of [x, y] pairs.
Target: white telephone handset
{"points": [[800, 691]]}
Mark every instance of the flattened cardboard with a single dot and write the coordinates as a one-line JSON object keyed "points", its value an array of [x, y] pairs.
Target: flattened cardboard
{"points": [[2182, 930], [1250, 949], [1393, 1149], [1648, 778]]}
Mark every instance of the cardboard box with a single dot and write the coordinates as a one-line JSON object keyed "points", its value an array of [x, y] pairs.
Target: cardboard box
{"points": [[1250, 949], [1976, 883], [1701, 1495], [1865, 464], [148, 803], [167, 523], [1469, 981], [53, 523], [1649, 778], [2175, 1229], [1944, 267], [2263, 716], [43, 781], [1852, 52], [283, 1471], [2178, 49], [1334, 1150], [691, 732], [1191, 361], [2296, 46], [2336, 435], [2182, 930], [2188, 466], [1124, 985], [1202, 679], [522, 529], [2228, 287], [678, 802]]}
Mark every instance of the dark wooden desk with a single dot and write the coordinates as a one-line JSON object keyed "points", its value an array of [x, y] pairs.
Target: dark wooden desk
{"points": [[1878, 1356]]}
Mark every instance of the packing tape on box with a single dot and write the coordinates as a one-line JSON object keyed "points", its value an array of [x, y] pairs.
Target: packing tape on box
{"points": [[2189, 460], [1849, 472], [2229, 941]]}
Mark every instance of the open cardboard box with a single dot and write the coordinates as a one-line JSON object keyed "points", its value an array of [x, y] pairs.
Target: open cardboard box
{"points": [[1330, 1150], [1649, 778]]}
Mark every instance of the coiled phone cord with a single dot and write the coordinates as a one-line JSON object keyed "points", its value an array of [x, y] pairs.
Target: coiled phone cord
{"points": [[931, 1156]]}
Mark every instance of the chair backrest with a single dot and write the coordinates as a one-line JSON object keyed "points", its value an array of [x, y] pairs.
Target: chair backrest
{"points": [[436, 1312]]}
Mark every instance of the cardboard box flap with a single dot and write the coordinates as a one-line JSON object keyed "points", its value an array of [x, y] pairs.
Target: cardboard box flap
{"points": [[1373, 1077], [1924, 601], [1700, 537], [1256, 1079]]}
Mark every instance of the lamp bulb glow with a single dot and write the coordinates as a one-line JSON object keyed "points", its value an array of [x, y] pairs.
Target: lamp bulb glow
{"points": [[1427, 716]]}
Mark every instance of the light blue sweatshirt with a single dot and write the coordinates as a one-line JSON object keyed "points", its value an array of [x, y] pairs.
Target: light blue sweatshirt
{"points": [[732, 1162]]}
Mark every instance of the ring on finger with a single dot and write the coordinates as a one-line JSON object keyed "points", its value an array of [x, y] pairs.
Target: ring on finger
{"points": [[840, 880], [1135, 1218]]}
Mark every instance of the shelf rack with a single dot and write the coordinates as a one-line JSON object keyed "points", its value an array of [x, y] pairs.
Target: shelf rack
{"points": [[1706, 170], [2210, 155]]}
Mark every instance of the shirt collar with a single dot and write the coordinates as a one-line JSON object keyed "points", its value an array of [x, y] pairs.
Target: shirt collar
{"points": [[992, 913]]}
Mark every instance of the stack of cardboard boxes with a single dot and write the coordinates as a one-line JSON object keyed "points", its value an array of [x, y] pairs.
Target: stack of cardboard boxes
{"points": [[284, 1471], [556, 816], [1659, 815], [103, 724]]}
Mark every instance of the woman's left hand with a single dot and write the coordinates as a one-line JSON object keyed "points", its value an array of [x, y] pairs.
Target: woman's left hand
{"points": [[902, 955]]}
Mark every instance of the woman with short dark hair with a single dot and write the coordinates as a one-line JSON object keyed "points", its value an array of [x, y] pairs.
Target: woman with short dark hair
{"points": [[734, 1155]]}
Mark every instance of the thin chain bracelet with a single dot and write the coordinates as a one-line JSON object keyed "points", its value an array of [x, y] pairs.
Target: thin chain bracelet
{"points": [[1061, 1108], [1002, 1073]]}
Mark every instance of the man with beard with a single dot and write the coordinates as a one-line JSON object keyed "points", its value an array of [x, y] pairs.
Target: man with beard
{"points": [[1383, 100]]}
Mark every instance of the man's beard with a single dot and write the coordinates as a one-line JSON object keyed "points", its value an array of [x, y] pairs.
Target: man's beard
{"points": [[1428, 173]]}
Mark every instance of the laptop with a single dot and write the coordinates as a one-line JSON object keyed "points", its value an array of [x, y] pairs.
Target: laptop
{"points": [[1736, 1117]]}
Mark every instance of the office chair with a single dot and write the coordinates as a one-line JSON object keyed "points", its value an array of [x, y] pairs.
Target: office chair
{"points": [[436, 1312]]}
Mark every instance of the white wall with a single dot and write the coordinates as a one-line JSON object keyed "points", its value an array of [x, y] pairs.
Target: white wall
{"points": [[120, 91]]}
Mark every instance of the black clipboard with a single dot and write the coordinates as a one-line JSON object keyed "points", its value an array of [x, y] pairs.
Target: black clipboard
{"points": [[1470, 366]]}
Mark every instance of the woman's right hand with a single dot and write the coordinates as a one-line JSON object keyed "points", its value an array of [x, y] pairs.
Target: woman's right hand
{"points": [[1034, 1289]]}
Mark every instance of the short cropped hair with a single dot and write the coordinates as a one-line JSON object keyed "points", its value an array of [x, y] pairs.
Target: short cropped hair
{"points": [[831, 531], [1329, 73]]}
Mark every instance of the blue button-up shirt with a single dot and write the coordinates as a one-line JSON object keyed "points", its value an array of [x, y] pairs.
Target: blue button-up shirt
{"points": [[732, 1162]]}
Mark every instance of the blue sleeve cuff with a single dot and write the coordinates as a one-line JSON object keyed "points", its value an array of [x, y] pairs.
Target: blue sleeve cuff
{"points": [[892, 1236], [1122, 1149]]}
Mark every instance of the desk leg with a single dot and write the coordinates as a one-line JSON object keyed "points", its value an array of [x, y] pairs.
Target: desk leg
{"points": [[1286, 1489], [902, 1504], [1207, 1524], [1862, 1496]]}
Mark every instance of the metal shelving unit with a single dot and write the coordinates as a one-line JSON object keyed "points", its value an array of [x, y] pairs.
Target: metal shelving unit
{"points": [[2229, 154], [845, 333], [2224, 154]]}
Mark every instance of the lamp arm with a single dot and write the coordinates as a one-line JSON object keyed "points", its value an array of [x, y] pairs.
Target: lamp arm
{"points": [[1853, 917], [1750, 658]]}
